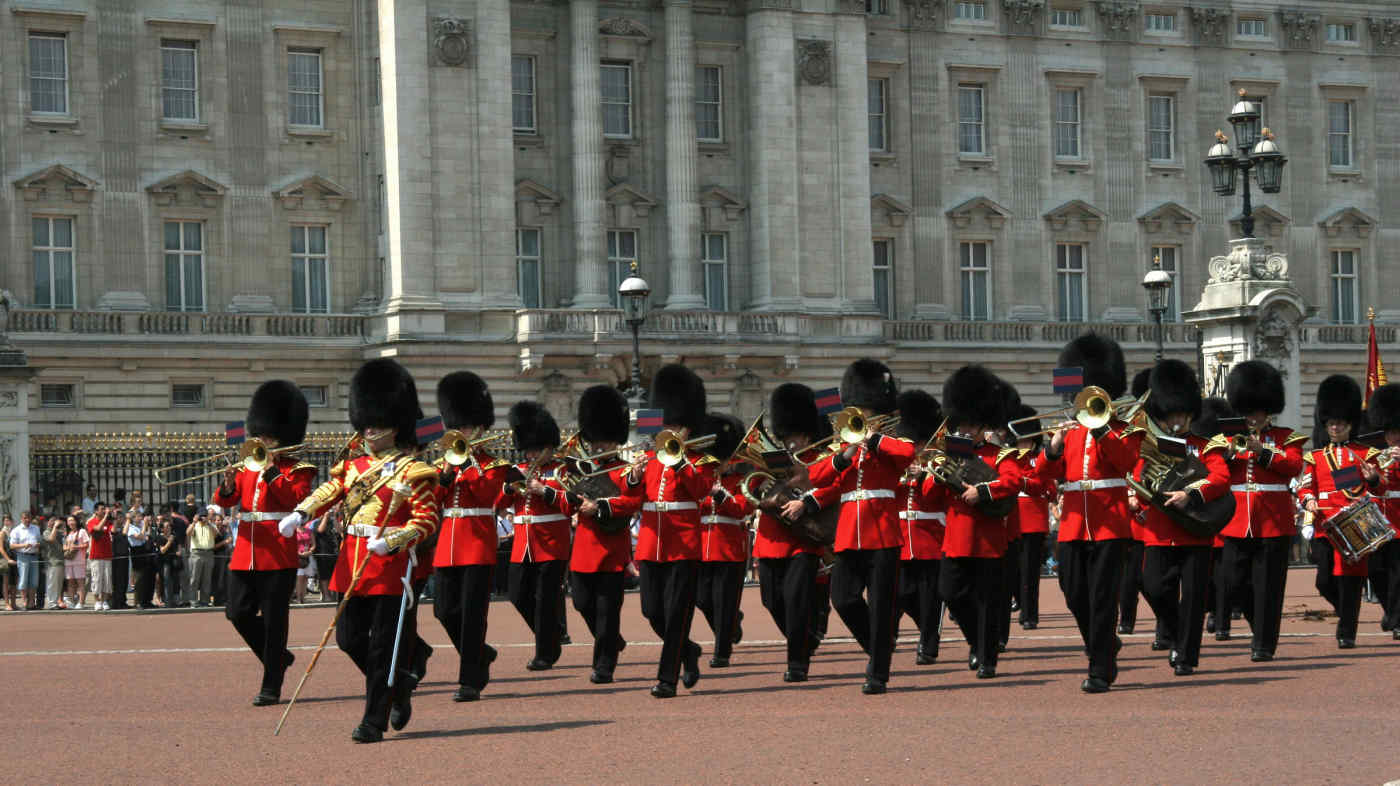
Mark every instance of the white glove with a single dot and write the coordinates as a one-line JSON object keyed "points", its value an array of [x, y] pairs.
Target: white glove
{"points": [[379, 546], [289, 523], [1308, 531]]}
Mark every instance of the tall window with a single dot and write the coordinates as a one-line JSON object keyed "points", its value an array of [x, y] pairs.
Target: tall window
{"points": [[522, 94], [184, 266], [1161, 119], [971, 11], [179, 80], [617, 100], [714, 260], [304, 97], [1344, 300], [1341, 32], [972, 136], [310, 274], [527, 266], [878, 109], [1252, 27], [53, 262], [974, 267], [1159, 23], [1167, 256], [1067, 123], [708, 104], [622, 254], [877, 6], [1069, 282], [1066, 17], [884, 278], [48, 73], [1339, 134]]}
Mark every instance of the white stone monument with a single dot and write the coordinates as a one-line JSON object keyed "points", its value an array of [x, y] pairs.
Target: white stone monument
{"points": [[15, 376]]}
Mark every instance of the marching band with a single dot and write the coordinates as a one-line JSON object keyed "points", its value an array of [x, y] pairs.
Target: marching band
{"points": [[888, 501]]}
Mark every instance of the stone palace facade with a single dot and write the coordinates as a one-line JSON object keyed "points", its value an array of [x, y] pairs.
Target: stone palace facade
{"points": [[205, 194]]}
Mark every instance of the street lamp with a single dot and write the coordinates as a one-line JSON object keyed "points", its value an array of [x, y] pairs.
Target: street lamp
{"points": [[1157, 282], [1257, 150], [633, 293]]}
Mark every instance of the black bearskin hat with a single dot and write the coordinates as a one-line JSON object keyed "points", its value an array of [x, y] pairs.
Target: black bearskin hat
{"points": [[278, 410], [680, 393], [1213, 410], [792, 409], [1174, 389], [382, 395], [1141, 381], [603, 415], [1383, 413], [463, 401], [973, 395], [1338, 398], [1010, 401], [728, 430], [868, 384], [919, 415], [1030, 426], [1255, 386], [1102, 361], [533, 426]]}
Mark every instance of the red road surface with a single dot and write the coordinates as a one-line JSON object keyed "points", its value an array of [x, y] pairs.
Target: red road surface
{"points": [[122, 697]]}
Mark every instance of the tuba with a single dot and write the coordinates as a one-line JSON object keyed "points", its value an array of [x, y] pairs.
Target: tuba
{"points": [[1163, 474], [959, 472]]}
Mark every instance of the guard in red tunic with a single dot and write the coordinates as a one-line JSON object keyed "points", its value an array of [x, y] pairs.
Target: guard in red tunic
{"points": [[1033, 517], [921, 518], [1131, 587], [1383, 414], [1257, 539], [668, 541], [540, 553], [1176, 563], [724, 541], [391, 505], [1219, 601], [1337, 414], [264, 563], [865, 577], [603, 538], [1091, 467], [465, 555], [999, 435]]}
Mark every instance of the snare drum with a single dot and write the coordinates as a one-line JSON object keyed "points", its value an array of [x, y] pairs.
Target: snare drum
{"points": [[1357, 530]]}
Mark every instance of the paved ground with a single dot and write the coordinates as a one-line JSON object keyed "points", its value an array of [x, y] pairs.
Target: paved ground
{"points": [[170, 693]]}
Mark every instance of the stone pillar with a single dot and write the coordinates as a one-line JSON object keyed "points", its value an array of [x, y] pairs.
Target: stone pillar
{"points": [[853, 157], [590, 266], [682, 203], [772, 125], [1250, 311], [496, 164], [15, 376]]}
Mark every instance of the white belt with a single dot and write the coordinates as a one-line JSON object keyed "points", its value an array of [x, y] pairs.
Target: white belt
{"points": [[663, 507], [1250, 488], [543, 518], [1090, 484], [1392, 495], [367, 530], [921, 515], [861, 494], [462, 513], [721, 520], [263, 515]]}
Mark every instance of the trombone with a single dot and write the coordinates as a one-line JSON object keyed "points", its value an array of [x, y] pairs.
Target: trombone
{"points": [[1092, 408], [457, 449], [672, 445], [592, 465], [253, 455], [851, 427]]}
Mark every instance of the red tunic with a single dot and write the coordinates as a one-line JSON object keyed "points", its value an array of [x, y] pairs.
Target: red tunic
{"points": [[921, 517], [1037, 489], [725, 527], [970, 533], [1390, 506], [1092, 474], [542, 526], [1316, 484], [598, 552], [670, 527], [869, 506], [260, 546], [1264, 503], [1158, 529], [468, 506]]}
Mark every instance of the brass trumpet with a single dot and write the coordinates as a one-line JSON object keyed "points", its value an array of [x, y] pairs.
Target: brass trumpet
{"points": [[672, 445], [1092, 408], [457, 449], [253, 455]]}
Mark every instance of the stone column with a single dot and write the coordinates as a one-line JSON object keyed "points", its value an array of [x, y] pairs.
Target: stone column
{"points": [[15, 377], [590, 266], [772, 124], [853, 162], [496, 165], [682, 205]]}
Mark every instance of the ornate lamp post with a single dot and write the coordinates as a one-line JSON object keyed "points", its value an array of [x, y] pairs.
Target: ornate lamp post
{"points": [[1257, 151], [1157, 282], [633, 293]]}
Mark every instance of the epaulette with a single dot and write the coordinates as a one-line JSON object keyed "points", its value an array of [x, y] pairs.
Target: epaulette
{"points": [[1004, 452], [1295, 438], [706, 460], [300, 465], [1371, 453], [494, 463], [1217, 442], [1130, 430], [418, 471], [338, 471], [1308, 458]]}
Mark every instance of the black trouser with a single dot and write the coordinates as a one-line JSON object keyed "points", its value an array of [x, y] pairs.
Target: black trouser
{"points": [[874, 573], [534, 591], [718, 591], [1032, 557], [121, 577], [920, 599], [325, 568], [461, 599], [366, 633], [1218, 600], [173, 569], [143, 566], [1010, 588], [788, 586], [1255, 571], [1091, 573], [975, 591], [598, 599], [1174, 579], [1325, 582], [668, 603], [821, 604], [1130, 585], [1390, 555], [417, 650], [257, 607], [1378, 571], [1343, 592]]}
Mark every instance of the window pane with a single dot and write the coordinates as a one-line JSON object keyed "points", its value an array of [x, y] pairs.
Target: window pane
{"points": [[316, 240], [522, 112], [882, 291], [1339, 117], [616, 120], [614, 83], [172, 236], [707, 83], [63, 279], [979, 255], [43, 292], [612, 244], [528, 272], [63, 232], [193, 236], [172, 282], [40, 227], [194, 283], [299, 284], [715, 285], [522, 74], [319, 295], [298, 240], [717, 250], [628, 245], [529, 242]]}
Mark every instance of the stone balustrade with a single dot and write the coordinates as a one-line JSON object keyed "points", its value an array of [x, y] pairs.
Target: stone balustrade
{"points": [[41, 324]]}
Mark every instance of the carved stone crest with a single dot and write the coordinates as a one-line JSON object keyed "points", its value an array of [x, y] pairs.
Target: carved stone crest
{"points": [[1273, 337], [814, 62], [923, 14], [1118, 18], [452, 41], [622, 26], [1299, 28], [1021, 16], [1385, 32], [1248, 261], [1209, 24]]}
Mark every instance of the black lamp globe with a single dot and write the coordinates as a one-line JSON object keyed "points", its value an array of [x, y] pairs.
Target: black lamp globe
{"points": [[1221, 163], [1268, 164], [1244, 117]]}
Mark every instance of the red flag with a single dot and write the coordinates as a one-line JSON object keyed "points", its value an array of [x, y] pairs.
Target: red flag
{"points": [[1375, 369]]}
